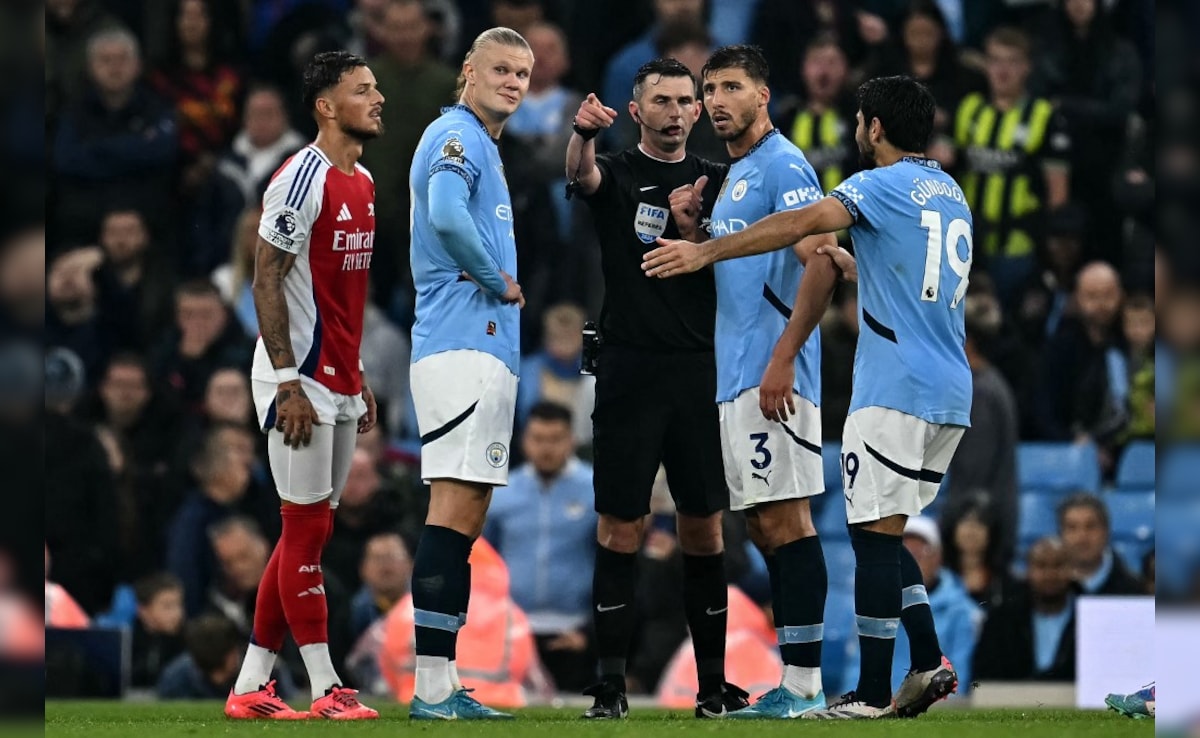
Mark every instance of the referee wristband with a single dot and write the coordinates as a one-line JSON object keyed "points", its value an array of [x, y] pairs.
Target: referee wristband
{"points": [[287, 374], [587, 134]]}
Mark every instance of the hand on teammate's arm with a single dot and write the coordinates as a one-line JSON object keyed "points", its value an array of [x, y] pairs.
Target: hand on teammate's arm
{"points": [[842, 260], [294, 413], [592, 117], [774, 232], [812, 299], [686, 202]]}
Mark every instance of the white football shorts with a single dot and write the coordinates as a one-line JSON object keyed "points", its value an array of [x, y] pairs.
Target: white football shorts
{"points": [[893, 463], [465, 402], [314, 472], [766, 460]]}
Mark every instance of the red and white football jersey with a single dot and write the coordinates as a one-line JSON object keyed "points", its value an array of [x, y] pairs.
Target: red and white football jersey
{"points": [[327, 219]]}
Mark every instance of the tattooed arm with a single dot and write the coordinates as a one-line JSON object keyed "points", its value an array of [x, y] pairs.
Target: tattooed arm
{"points": [[295, 415]]}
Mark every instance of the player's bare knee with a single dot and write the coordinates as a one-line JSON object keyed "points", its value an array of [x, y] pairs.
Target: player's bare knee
{"points": [[700, 536], [460, 506], [893, 525], [785, 521], [622, 536]]}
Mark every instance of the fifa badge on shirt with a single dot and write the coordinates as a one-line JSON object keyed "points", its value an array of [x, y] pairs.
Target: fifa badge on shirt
{"points": [[650, 222]]}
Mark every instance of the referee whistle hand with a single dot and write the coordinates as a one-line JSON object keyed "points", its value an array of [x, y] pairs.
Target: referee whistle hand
{"points": [[594, 114], [672, 258], [775, 392]]}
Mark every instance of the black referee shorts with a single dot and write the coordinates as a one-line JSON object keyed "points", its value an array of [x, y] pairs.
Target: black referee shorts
{"points": [[656, 408]]}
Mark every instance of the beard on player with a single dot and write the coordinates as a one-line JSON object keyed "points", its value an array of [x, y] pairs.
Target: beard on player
{"points": [[738, 124], [362, 134]]}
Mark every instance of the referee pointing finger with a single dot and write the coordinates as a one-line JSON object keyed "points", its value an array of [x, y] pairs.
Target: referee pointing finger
{"points": [[655, 376]]}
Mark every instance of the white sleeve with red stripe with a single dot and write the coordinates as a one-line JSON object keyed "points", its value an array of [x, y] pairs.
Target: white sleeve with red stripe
{"points": [[293, 201]]}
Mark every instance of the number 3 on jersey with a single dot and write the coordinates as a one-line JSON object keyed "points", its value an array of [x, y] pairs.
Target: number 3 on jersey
{"points": [[931, 220]]}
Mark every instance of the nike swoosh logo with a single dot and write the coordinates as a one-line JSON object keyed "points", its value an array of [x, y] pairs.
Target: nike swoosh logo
{"points": [[647, 189], [602, 608], [711, 611]]}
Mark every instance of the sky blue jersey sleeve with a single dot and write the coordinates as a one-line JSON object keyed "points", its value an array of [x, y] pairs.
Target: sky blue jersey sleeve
{"points": [[451, 219], [859, 193], [792, 182]]}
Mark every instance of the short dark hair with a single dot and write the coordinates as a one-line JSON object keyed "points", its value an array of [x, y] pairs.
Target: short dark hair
{"points": [[152, 585], [1087, 500], [201, 287], [1011, 37], [550, 411], [662, 68], [903, 105], [325, 70], [745, 57], [209, 639], [128, 358]]}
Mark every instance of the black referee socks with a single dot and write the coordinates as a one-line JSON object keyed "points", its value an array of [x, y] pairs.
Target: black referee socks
{"points": [[706, 602], [613, 585]]}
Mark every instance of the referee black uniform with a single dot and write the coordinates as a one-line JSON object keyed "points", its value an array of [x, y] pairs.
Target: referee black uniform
{"points": [[656, 376]]}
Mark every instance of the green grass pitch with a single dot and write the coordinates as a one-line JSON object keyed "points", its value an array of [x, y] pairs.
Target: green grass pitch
{"points": [[165, 720]]}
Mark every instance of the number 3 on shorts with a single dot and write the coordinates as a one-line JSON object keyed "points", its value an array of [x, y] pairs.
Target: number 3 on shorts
{"points": [[760, 447]]}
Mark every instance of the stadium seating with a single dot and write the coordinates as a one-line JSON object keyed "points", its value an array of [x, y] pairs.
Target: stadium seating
{"points": [[1135, 470], [831, 456], [1036, 518], [1132, 515], [830, 517], [1177, 543], [839, 561], [1181, 473], [1131, 553], [1057, 468]]}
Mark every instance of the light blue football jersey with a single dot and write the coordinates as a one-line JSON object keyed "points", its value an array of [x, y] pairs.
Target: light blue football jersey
{"points": [[452, 312], [912, 239], [755, 293]]}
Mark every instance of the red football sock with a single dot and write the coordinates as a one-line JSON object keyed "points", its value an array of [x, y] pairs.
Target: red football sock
{"points": [[329, 533], [301, 584], [270, 625]]}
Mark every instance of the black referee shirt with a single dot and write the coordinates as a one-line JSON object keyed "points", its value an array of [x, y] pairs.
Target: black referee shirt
{"points": [[630, 208]]}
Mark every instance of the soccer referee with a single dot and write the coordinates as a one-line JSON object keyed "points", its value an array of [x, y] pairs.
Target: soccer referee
{"points": [[655, 378]]}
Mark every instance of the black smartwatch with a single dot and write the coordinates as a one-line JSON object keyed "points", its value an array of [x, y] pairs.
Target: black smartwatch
{"points": [[587, 134]]}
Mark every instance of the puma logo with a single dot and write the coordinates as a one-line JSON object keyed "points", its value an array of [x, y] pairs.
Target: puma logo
{"points": [[764, 478]]}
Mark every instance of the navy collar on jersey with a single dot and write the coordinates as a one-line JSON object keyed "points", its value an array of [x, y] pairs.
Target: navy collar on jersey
{"points": [[922, 161], [756, 145], [460, 106]]}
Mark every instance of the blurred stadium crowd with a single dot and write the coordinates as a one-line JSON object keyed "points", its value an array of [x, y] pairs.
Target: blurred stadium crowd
{"points": [[164, 120]]}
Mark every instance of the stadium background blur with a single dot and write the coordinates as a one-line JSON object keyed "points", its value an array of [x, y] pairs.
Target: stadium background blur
{"points": [[150, 183]]}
